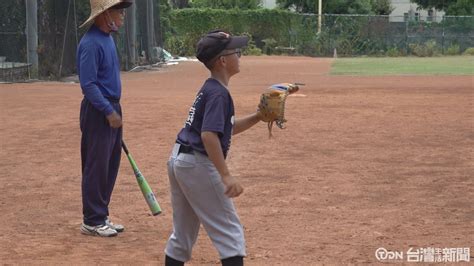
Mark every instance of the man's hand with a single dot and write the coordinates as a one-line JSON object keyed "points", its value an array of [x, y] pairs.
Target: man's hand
{"points": [[232, 185], [115, 120]]}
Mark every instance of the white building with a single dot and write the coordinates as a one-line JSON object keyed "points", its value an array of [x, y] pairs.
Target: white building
{"points": [[405, 10]]}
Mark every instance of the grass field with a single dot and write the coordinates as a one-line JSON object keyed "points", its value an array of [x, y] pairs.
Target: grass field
{"points": [[453, 65]]}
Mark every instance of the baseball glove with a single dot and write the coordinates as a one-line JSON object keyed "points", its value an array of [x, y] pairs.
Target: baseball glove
{"points": [[272, 104]]}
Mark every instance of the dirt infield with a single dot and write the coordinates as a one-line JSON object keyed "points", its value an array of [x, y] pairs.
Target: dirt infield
{"points": [[365, 162]]}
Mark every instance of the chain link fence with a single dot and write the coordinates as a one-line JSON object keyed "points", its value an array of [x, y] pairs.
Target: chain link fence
{"points": [[357, 35]]}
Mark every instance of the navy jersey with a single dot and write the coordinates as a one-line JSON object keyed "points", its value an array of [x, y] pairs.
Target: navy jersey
{"points": [[212, 110]]}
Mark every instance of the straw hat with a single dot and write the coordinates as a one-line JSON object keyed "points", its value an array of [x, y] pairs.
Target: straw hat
{"points": [[99, 6]]}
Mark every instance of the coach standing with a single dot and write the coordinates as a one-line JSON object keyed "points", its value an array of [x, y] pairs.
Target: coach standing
{"points": [[101, 115]]}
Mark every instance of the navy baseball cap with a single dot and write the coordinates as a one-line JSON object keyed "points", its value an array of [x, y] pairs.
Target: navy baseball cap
{"points": [[217, 41]]}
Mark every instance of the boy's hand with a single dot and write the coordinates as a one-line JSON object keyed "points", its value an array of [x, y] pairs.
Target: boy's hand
{"points": [[232, 185]]}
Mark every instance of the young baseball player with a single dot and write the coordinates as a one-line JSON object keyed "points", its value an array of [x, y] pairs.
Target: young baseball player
{"points": [[201, 183]]}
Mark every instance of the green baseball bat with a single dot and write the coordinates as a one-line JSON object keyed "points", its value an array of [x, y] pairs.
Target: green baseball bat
{"points": [[143, 184]]}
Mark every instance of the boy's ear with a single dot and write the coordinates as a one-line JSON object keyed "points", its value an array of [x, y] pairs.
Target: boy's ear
{"points": [[224, 59], [221, 60]]}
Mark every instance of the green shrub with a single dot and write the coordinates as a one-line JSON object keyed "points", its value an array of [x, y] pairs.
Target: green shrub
{"points": [[376, 53], [181, 45], [271, 28], [431, 48], [417, 49], [469, 51], [191, 23], [175, 45], [269, 46], [453, 50], [393, 52], [251, 49], [427, 49]]}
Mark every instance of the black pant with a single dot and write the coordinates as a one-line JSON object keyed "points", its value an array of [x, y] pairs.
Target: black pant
{"points": [[100, 154]]}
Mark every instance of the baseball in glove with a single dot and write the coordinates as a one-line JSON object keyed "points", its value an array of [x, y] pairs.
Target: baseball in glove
{"points": [[272, 104]]}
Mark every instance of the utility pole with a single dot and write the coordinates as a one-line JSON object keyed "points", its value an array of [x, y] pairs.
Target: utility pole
{"points": [[32, 36], [320, 13], [150, 27]]}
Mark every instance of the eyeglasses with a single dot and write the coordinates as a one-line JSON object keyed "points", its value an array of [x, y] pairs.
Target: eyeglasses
{"points": [[239, 54]]}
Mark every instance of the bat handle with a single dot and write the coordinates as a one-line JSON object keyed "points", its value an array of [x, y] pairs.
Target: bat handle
{"points": [[124, 147]]}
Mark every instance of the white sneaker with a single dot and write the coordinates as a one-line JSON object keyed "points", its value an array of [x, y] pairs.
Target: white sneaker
{"points": [[98, 230], [118, 227]]}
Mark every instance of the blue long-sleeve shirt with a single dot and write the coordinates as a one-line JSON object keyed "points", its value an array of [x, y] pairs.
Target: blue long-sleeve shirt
{"points": [[99, 69]]}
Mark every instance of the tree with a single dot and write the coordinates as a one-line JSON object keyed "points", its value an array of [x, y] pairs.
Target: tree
{"points": [[301, 6], [348, 7], [451, 7], [226, 4], [329, 6], [461, 8], [382, 7], [179, 3]]}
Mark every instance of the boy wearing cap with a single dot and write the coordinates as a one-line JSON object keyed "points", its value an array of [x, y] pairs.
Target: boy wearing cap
{"points": [[201, 183], [98, 68]]}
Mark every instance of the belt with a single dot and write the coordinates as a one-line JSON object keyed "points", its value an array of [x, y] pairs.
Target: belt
{"points": [[113, 100], [185, 149]]}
